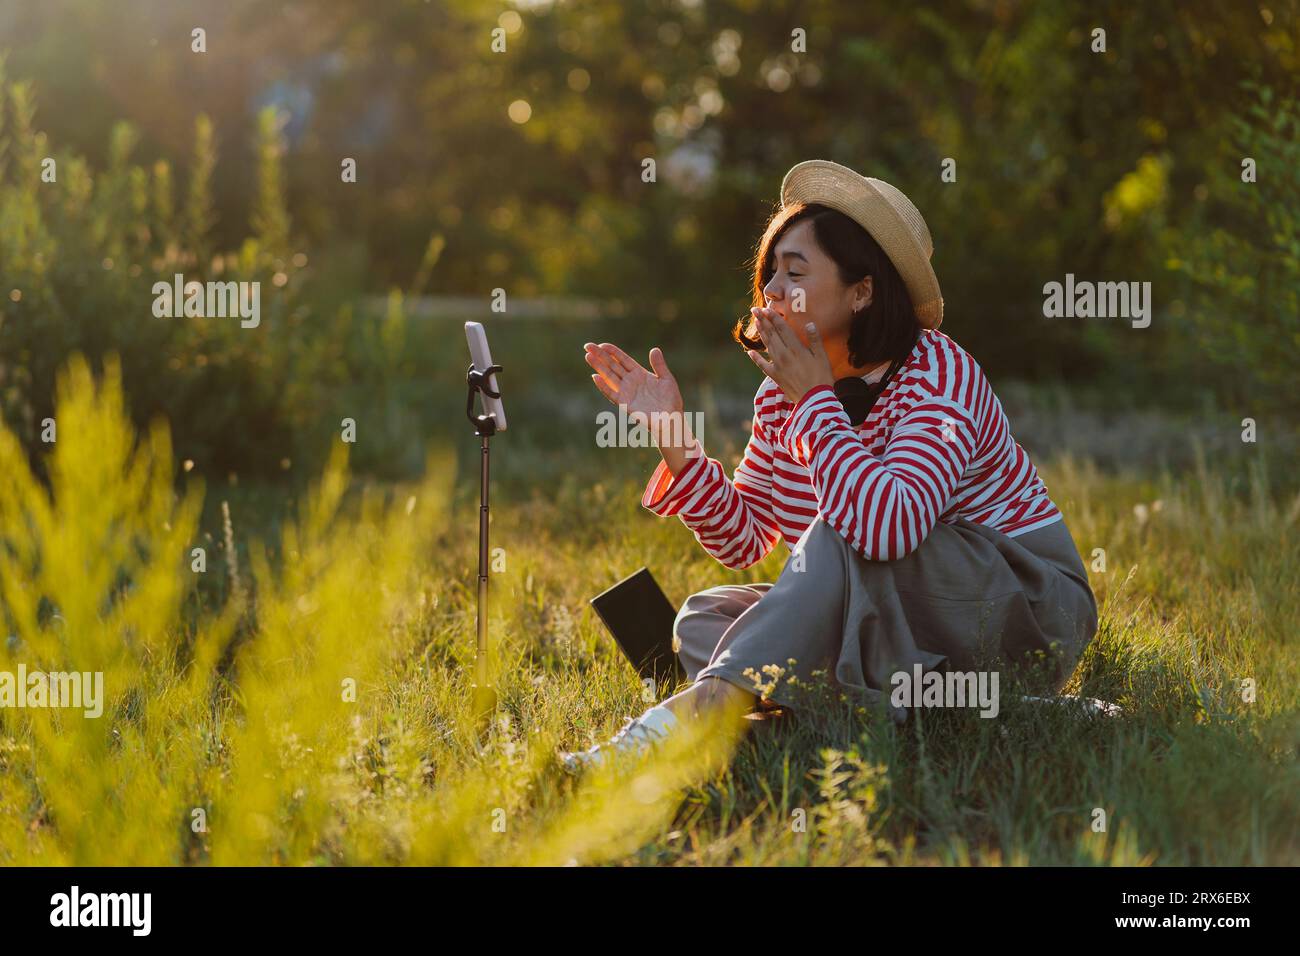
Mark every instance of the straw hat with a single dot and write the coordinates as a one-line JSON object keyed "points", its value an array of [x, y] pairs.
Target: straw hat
{"points": [[884, 212]]}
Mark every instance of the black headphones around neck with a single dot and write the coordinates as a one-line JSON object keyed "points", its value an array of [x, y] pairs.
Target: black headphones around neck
{"points": [[858, 396]]}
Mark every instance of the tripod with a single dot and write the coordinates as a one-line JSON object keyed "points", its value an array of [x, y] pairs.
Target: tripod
{"points": [[485, 426]]}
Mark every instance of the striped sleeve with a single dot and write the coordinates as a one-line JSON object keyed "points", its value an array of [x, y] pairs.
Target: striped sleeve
{"points": [[732, 518], [882, 506]]}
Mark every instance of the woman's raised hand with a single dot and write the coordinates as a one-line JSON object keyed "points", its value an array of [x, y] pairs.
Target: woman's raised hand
{"points": [[624, 381], [794, 366]]}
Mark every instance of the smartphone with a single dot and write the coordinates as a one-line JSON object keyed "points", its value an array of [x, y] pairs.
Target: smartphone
{"points": [[482, 358]]}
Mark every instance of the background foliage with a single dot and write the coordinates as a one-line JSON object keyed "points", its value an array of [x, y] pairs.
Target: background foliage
{"points": [[1117, 166]]}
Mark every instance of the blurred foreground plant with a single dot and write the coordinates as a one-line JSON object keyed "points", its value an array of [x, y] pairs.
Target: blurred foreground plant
{"points": [[258, 732]]}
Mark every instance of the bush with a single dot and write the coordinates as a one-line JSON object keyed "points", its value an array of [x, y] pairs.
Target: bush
{"points": [[80, 252], [1244, 321]]}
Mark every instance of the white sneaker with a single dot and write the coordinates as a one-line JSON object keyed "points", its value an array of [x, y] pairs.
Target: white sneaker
{"points": [[637, 735], [1090, 706]]}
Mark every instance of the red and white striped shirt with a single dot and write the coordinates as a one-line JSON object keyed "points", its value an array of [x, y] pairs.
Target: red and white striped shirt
{"points": [[936, 447]]}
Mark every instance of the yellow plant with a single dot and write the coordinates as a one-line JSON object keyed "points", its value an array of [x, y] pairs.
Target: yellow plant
{"points": [[263, 732]]}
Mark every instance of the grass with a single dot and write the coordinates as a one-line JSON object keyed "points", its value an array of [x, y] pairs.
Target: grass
{"points": [[305, 699]]}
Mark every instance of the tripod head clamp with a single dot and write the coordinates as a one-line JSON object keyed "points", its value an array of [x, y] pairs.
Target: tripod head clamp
{"points": [[478, 382]]}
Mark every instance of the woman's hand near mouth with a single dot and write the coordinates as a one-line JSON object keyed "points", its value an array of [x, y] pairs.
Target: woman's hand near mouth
{"points": [[652, 399], [796, 367]]}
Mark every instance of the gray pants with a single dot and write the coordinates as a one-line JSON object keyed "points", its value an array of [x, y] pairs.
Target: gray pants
{"points": [[968, 598]]}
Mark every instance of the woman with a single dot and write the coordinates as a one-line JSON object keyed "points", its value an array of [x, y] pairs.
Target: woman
{"points": [[921, 536]]}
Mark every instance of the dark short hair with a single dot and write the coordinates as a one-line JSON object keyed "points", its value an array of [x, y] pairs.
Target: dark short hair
{"points": [[886, 329]]}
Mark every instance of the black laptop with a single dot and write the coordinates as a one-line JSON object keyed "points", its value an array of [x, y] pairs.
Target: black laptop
{"points": [[641, 618]]}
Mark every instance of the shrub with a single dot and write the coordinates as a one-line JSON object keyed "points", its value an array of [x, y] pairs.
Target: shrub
{"points": [[79, 256]]}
